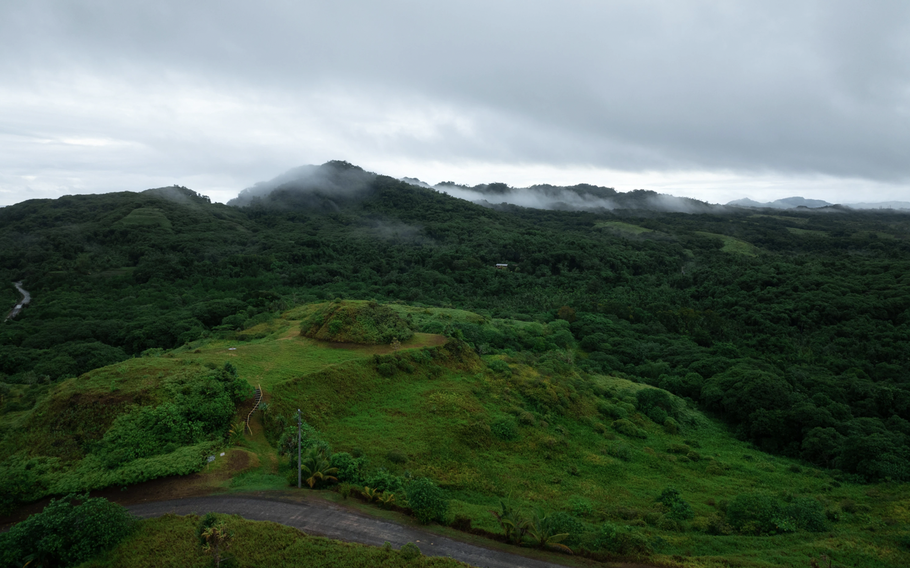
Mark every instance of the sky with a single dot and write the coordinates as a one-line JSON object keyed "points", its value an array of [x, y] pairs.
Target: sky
{"points": [[709, 99]]}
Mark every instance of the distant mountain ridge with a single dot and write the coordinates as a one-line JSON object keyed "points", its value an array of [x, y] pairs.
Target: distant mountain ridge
{"points": [[337, 184], [785, 203], [795, 202]]}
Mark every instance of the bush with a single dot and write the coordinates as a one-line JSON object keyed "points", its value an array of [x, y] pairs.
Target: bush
{"points": [[410, 551], [351, 322], [382, 480], [611, 410], [713, 524], [474, 433], [505, 429], [673, 503], [18, 482], [499, 366], [757, 513], [561, 522], [580, 506], [65, 533], [657, 404], [624, 541], [396, 457], [620, 451], [626, 428], [350, 469], [808, 514], [427, 501]]}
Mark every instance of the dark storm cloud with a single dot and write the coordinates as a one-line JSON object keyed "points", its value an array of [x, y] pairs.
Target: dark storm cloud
{"points": [[251, 89]]}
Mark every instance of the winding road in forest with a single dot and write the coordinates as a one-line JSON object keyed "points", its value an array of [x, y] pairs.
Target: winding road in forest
{"points": [[26, 298], [332, 521]]}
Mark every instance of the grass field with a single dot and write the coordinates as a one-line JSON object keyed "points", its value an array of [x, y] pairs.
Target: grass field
{"points": [[170, 542], [733, 245], [146, 217], [806, 232], [798, 220], [621, 227], [541, 440]]}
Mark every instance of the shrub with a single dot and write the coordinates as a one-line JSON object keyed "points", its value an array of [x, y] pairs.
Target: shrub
{"points": [[611, 410], [566, 523], [65, 533], [18, 482], [657, 404], [427, 501], [627, 428], [673, 503], [808, 514], [410, 551], [396, 457], [713, 524], [671, 426], [625, 541], [499, 366], [620, 451], [505, 428], [382, 480], [756, 513], [474, 433], [350, 469], [580, 506], [356, 323]]}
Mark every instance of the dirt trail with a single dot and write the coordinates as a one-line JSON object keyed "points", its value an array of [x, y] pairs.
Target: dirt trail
{"points": [[332, 521]]}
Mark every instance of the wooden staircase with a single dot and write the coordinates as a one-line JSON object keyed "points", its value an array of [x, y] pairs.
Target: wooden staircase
{"points": [[258, 395]]}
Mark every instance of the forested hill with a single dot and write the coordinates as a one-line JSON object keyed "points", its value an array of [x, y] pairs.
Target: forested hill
{"points": [[795, 327]]}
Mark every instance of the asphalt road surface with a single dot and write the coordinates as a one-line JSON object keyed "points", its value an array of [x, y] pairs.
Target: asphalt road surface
{"points": [[26, 298], [328, 520]]}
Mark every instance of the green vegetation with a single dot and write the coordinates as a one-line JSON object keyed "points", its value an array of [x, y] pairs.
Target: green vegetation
{"points": [[621, 227], [88, 434], [770, 385], [65, 533], [806, 232], [172, 541], [733, 245], [355, 322]]}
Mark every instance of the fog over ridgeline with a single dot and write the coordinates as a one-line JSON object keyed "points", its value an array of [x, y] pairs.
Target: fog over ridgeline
{"points": [[796, 202], [334, 183], [322, 186], [329, 185]]}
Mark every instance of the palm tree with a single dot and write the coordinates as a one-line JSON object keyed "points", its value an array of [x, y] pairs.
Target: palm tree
{"points": [[513, 524], [317, 466], [541, 531]]}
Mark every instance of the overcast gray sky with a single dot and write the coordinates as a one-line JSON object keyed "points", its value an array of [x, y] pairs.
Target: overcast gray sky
{"points": [[709, 99]]}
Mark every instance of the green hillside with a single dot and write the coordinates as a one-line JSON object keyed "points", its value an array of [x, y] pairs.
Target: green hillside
{"points": [[711, 388]]}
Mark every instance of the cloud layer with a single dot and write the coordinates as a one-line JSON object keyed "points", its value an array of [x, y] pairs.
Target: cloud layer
{"points": [[102, 95]]}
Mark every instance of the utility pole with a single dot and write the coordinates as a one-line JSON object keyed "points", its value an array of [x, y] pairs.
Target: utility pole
{"points": [[299, 484]]}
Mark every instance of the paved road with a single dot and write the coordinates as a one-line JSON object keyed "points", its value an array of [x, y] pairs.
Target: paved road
{"points": [[326, 519], [26, 298]]}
